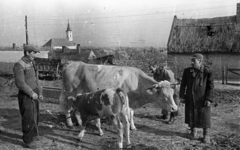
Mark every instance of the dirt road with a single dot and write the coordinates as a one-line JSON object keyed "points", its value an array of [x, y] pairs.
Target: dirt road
{"points": [[152, 133]]}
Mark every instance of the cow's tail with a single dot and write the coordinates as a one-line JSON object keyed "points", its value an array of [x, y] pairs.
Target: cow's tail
{"points": [[121, 94], [62, 101], [63, 98], [125, 101], [65, 104]]}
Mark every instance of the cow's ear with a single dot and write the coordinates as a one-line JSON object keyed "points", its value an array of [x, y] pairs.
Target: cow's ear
{"points": [[151, 67], [151, 90]]}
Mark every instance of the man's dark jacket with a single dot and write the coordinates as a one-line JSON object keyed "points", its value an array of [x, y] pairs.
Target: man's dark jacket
{"points": [[197, 88]]}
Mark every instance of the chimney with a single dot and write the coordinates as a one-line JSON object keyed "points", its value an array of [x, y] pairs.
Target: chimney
{"points": [[14, 46], [78, 48], [23, 46], [63, 49], [238, 13]]}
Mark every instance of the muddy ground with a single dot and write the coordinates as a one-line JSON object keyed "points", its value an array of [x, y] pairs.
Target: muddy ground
{"points": [[152, 133]]}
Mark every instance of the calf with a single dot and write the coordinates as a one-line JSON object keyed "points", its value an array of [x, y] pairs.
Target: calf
{"points": [[110, 103]]}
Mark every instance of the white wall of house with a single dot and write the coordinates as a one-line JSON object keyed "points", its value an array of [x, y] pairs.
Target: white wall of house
{"points": [[69, 47]]}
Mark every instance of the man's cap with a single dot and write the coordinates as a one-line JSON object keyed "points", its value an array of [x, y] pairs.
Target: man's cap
{"points": [[197, 56], [31, 48]]}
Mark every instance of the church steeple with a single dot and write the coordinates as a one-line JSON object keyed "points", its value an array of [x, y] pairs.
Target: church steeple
{"points": [[69, 33]]}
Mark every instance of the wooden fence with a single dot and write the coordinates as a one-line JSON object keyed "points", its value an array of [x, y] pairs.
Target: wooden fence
{"points": [[225, 75]]}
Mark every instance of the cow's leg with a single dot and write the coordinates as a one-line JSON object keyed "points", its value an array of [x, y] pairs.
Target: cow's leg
{"points": [[81, 134], [132, 125], [130, 114], [69, 119], [82, 127], [98, 124], [78, 116], [117, 123], [65, 106], [126, 128]]}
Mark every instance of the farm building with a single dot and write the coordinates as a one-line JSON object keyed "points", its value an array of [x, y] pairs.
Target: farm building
{"points": [[88, 55], [216, 38], [221, 34], [57, 43]]}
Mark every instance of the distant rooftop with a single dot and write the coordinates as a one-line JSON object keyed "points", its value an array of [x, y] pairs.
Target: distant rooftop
{"points": [[59, 42]]}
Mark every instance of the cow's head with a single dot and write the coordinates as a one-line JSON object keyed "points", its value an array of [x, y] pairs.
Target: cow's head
{"points": [[112, 101], [163, 93]]}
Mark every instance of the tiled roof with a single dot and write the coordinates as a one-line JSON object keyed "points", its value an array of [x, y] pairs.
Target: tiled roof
{"points": [[59, 42]]}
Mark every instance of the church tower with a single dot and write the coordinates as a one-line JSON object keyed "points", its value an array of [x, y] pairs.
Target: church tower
{"points": [[69, 33]]}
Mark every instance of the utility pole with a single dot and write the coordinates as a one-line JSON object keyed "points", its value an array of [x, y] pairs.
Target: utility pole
{"points": [[26, 30]]}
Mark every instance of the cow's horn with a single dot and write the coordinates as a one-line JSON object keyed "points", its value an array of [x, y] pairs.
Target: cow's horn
{"points": [[71, 98]]}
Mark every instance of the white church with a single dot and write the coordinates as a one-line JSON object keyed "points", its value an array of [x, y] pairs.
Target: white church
{"points": [[58, 43]]}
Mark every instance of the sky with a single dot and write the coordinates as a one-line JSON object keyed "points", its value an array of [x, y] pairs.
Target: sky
{"points": [[102, 23]]}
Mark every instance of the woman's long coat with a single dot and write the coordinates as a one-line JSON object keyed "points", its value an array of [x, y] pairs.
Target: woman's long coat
{"points": [[197, 88]]}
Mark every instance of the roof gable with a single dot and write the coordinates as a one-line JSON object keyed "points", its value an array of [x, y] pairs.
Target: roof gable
{"points": [[92, 55], [97, 52]]}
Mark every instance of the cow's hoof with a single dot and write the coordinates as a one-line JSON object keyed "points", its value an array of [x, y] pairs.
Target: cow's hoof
{"points": [[80, 137], [120, 145], [129, 145], [134, 129], [171, 120], [100, 134]]}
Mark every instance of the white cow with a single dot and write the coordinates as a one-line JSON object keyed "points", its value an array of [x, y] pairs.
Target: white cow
{"points": [[79, 77]]}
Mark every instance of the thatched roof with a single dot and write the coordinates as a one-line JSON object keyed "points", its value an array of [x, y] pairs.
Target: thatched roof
{"points": [[204, 35]]}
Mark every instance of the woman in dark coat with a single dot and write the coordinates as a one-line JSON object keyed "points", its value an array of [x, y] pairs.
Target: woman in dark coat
{"points": [[196, 90]]}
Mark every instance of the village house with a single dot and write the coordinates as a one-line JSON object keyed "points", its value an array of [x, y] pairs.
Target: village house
{"points": [[216, 38], [206, 35]]}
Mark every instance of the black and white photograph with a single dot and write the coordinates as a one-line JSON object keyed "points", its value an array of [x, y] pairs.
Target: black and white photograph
{"points": [[120, 74]]}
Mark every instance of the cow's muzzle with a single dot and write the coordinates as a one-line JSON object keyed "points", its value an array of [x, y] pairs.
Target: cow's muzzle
{"points": [[174, 108]]}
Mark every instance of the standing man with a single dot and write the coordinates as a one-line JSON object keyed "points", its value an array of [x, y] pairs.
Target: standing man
{"points": [[196, 90], [163, 73], [26, 79]]}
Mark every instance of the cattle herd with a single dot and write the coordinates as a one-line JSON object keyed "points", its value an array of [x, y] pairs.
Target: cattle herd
{"points": [[102, 91]]}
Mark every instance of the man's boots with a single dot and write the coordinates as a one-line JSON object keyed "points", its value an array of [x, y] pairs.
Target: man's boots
{"points": [[172, 118], [206, 137], [163, 117], [165, 114], [193, 133], [32, 145]]}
